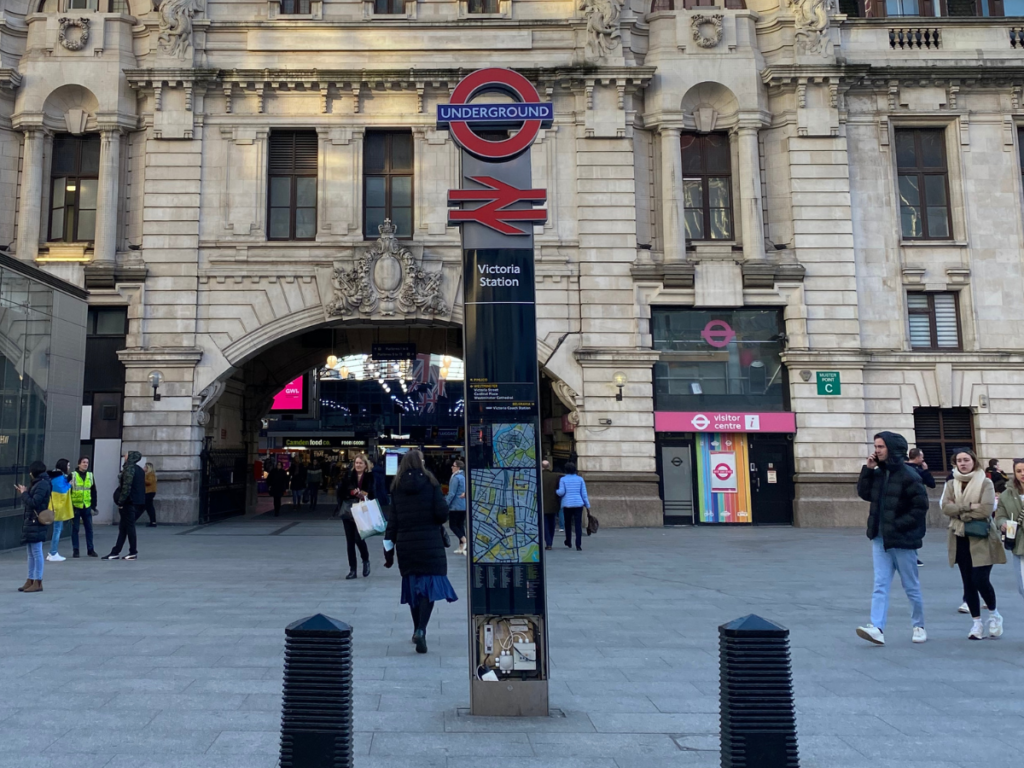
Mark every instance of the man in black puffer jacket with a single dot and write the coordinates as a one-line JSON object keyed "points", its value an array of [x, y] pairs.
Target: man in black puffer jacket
{"points": [[896, 527]]}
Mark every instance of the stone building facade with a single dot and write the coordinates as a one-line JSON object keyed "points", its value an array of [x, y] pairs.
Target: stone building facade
{"points": [[869, 195]]}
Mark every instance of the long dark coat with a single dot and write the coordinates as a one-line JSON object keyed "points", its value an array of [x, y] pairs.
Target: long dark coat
{"points": [[418, 511], [35, 499]]}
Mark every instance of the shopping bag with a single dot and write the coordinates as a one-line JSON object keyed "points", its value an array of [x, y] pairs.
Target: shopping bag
{"points": [[368, 518]]}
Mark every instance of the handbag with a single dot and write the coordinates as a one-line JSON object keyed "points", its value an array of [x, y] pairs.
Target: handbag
{"points": [[46, 516], [593, 524], [978, 529], [445, 538]]}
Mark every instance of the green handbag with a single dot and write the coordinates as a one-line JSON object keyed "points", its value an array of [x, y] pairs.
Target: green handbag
{"points": [[978, 529]]}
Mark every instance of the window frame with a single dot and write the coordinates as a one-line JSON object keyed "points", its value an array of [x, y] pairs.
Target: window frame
{"points": [[294, 175], [931, 9], [921, 172], [388, 176], [704, 176], [77, 177], [296, 6], [496, 4], [933, 331], [390, 4]]}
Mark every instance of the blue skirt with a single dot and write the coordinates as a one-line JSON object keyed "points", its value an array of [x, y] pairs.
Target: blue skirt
{"points": [[432, 588]]}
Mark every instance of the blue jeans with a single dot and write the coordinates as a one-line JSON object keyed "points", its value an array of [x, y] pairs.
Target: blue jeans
{"points": [[58, 526], [1018, 569], [35, 560], [904, 562], [561, 517], [296, 498]]}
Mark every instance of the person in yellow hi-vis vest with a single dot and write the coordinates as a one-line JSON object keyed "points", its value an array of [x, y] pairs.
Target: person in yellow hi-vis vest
{"points": [[60, 503], [83, 499]]}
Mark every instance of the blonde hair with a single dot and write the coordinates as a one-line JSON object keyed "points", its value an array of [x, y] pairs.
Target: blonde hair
{"points": [[366, 461], [149, 467]]}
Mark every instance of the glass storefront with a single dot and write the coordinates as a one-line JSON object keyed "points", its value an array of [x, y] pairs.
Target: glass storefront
{"points": [[727, 360], [40, 387]]}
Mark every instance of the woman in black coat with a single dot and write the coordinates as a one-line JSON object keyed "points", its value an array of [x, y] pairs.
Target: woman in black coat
{"points": [[418, 510], [277, 484], [33, 533]]}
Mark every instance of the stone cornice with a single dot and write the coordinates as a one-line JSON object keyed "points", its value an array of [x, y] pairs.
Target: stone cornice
{"points": [[9, 78], [893, 359], [591, 357], [168, 357]]}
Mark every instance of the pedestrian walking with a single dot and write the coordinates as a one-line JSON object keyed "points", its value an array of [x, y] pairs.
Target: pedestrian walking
{"points": [[314, 479], [572, 490], [456, 500], [277, 485], [896, 528], [917, 463], [129, 497], [997, 476], [380, 487], [147, 508], [356, 485], [298, 473], [552, 502], [35, 498], [418, 512], [973, 539], [1010, 520], [60, 503], [83, 500]]}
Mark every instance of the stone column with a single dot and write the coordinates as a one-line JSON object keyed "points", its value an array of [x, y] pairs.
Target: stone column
{"points": [[751, 213], [673, 225], [30, 204], [105, 244]]}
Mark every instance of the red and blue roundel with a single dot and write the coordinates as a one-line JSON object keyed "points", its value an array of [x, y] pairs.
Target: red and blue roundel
{"points": [[459, 116]]}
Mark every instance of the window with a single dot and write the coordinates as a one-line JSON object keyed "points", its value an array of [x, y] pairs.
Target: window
{"points": [[292, 7], [292, 198], [392, 7], [923, 183], [387, 182], [939, 432], [81, 5], [707, 186], [74, 173], [484, 6], [107, 321], [934, 320]]}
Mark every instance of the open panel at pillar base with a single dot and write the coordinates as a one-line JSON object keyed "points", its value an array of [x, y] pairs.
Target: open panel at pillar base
{"points": [[509, 698]]}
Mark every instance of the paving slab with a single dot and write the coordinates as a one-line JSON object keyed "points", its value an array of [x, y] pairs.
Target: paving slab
{"points": [[186, 645]]}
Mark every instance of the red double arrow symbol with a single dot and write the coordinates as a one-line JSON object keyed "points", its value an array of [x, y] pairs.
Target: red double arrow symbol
{"points": [[496, 198]]}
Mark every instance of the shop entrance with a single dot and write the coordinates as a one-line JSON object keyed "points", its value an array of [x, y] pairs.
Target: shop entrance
{"points": [[771, 479]]}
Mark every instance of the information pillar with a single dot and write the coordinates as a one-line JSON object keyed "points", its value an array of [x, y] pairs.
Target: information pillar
{"points": [[507, 613]]}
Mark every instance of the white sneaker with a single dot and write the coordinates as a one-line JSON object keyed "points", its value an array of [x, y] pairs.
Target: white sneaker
{"points": [[871, 633], [55, 558], [963, 608], [920, 635], [995, 625], [977, 631]]}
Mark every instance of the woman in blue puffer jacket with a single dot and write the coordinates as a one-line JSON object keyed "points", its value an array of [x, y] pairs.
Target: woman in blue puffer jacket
{"points": [[573, 491]]}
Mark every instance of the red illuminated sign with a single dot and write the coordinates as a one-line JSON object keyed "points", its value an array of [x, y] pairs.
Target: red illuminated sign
{"points": [[496, 198], [292, 397]]}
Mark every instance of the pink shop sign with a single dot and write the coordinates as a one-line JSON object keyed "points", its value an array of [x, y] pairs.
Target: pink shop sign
{"points": [[724, 421]]}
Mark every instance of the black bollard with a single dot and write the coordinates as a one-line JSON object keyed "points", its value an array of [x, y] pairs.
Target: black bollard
{"points": [[758, 715], [316, 718]]}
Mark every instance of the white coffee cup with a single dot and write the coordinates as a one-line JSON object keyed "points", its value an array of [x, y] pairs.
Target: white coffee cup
{"points": [[1011, 529]]}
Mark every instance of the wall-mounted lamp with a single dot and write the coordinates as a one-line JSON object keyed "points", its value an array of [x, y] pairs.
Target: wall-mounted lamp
{"points": [[155, 377], [619, 379]]}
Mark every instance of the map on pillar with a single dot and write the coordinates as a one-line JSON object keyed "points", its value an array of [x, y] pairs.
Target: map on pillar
{"points": [[504, 499]]}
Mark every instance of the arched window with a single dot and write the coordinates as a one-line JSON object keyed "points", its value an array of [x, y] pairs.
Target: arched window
{"points": [[103, 6]]}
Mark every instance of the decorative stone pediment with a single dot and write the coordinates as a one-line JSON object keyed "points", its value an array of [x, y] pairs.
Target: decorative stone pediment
{"points": [[387, 279]]}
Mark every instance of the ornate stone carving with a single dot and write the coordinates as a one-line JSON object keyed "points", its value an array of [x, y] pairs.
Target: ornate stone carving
{"points": [[602, 26], [207, 398], [176, 25], [569, 399], [76, 41], [707, 30], [386, 278], [813, 18]]}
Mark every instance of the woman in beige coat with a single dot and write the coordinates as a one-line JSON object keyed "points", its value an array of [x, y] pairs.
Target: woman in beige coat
{"points": [[967, 497], [1011, 507]]}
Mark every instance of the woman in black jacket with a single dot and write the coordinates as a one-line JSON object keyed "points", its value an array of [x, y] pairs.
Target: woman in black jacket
{"points": [[356, 485], [418, 510], [33, 533], [277, 485]]}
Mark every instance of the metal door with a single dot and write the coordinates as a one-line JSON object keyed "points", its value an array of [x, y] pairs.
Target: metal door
{"points": [[677, 483], [771, 479]]}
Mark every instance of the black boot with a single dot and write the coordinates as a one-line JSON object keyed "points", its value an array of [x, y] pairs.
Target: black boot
{"points": [[420, 638], [351, 574], [366, 568], [76, 553]]}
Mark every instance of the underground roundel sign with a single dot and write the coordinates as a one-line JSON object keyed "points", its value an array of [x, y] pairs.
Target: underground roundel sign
{"points": [[460, 118], [723, 471]]}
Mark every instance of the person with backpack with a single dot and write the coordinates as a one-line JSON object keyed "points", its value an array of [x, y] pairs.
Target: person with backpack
{"points": [[60, 503], [129, 497], [36, 500], [572, 489], [83, 501]]}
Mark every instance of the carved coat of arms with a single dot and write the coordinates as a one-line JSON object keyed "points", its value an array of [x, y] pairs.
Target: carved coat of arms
{"points": [[386, 279]]}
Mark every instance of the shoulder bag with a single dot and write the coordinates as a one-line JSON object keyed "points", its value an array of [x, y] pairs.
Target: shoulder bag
{"points": [[46, 516], [978, 529], [445, 538]]}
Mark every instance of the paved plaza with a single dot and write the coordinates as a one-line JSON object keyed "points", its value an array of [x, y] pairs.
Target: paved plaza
{"points": [[175, 661]]}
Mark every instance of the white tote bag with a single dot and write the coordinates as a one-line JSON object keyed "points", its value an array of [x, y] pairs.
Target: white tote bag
{"points": [[368, 518]]}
